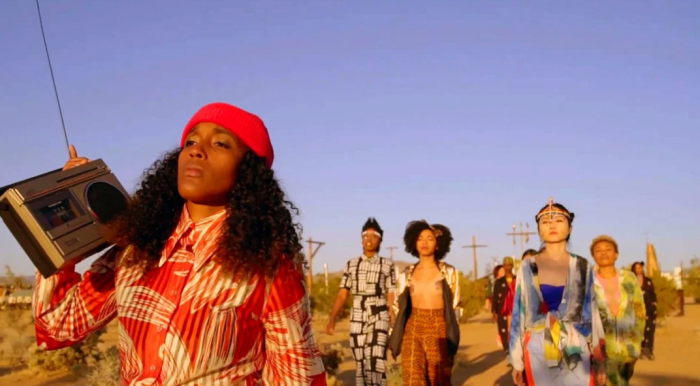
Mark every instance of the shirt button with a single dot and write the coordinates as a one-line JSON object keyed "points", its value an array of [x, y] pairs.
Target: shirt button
{"points": [[160, 328], [153, 368]]}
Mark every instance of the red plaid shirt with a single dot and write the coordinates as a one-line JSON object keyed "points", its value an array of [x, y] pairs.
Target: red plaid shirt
{"points": [[185, 322]]}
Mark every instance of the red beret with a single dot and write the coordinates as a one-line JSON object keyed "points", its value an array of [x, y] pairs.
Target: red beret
{"points": [[246, 126]]}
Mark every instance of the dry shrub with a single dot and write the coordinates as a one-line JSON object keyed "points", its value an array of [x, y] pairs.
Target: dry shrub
{"points": [[473, 296], [691, 280], [331, 362], [107, 370], [344, 352], [666, 297], [331, 359], [15, 341], [322, 301], [77, 358]]}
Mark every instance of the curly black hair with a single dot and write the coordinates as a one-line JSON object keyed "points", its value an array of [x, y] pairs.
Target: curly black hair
{"points": [[259, 231], [413, 231]]}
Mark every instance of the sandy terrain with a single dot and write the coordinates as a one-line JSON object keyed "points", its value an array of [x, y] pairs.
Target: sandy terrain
{"points": [[479, 362]]}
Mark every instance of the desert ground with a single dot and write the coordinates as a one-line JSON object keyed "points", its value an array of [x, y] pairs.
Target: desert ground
{"points": [[479, 362]]}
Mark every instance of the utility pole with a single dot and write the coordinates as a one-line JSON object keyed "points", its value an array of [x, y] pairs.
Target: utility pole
{"points": [[523, 235], [474, 246], [312, 253], [495, 263], [391, 256], [391, 252]]}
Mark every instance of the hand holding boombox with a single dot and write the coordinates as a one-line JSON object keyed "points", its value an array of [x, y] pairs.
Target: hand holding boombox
{"points": [[59, 217]]}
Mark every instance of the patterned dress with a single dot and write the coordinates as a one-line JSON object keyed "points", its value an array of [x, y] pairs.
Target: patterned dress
{"points": [[624, 330], [185, 322], [425, 358], [554, 347], [369, 280]]}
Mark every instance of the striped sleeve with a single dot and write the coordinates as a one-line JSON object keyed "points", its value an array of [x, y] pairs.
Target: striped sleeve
{"points": [[292, 357], [68, 307], [346, 280]]}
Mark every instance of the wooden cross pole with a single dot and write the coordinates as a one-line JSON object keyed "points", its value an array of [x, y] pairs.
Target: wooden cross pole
{"points": [[391, 256], [474, 247], [312, 253], [523, 235]]}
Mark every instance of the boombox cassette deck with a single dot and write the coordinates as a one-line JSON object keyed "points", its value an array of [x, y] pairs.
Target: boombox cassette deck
{"points": [[59, 217]]}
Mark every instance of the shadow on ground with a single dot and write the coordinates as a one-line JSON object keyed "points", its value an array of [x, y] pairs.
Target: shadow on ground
{"points": [[347, 377], [671, 380], [471, 367], [4, 370]]}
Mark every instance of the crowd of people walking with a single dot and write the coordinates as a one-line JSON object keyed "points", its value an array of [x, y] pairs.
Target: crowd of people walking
{"points": [[561, 319], [206, 281]]}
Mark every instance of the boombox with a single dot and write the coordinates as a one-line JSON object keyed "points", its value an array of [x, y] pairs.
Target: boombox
{"points": [[59, 217]]}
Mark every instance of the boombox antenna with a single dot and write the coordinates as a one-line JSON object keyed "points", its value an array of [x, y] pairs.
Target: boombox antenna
{"points": [[55, 89]]}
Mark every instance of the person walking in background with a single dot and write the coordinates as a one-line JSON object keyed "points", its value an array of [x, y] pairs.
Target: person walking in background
{"points": [[650, 304], [500, 309], [371, 280], [426, 332], [207, 277], [556, 337], [498, 272], [621, 304]]}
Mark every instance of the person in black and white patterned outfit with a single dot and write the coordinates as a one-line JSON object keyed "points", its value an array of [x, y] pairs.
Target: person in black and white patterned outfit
{"points": [[372, 281]]}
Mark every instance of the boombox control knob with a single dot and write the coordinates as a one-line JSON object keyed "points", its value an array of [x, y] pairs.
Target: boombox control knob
{"points": [[104, 201]]}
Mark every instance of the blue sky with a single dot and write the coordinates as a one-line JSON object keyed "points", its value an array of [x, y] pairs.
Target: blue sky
{"points": [[471, 114]]}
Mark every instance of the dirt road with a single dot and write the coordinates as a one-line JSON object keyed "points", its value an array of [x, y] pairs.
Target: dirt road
{"points": [[481, 363]]}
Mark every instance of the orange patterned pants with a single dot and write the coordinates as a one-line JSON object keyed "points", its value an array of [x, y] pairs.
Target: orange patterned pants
{"points": [[424, 356]]}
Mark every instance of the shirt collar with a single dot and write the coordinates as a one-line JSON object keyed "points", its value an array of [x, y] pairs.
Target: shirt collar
{"points": [[374, 257], [203, 235]]}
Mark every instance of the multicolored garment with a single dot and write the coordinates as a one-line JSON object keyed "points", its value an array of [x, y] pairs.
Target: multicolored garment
{"points": [[556, 346], [369, 279], [424, 349], [186, 322], [624, 331]]}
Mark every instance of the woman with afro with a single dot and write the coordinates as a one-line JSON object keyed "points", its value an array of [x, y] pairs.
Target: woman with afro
{"points": [[426, 331], [206, 278]]}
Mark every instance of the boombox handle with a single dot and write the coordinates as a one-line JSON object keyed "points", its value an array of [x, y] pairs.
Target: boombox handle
{"points": [[5, 188]]}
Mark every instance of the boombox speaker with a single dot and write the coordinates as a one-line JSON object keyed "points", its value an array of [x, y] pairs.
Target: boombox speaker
{"points": [[59, 217]]}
